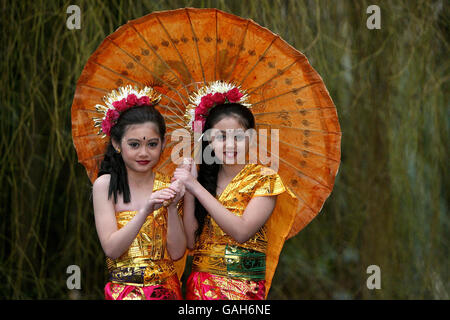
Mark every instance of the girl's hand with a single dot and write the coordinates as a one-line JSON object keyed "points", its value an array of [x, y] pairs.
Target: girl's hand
{"points": [[179, 188], [157, 199], [189, 164], [184, 176]]}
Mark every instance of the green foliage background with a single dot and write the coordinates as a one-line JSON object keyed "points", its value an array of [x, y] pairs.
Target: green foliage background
{"points": [[390, 203]]}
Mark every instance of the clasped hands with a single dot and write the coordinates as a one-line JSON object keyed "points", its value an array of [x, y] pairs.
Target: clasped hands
{"points": [[186, 173], [184, 176]]}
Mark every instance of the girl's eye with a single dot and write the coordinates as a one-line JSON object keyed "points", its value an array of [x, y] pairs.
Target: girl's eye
{"points": [[220, 137], [134, 144], [239, 137], [153, 144]]}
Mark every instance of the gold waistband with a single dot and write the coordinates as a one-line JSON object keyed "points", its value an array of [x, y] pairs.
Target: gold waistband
{"points": [[230, 261], [143, 274]]}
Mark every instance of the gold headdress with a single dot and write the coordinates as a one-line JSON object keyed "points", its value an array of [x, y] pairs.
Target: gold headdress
{"points": [[217, 92], [120, 100]]}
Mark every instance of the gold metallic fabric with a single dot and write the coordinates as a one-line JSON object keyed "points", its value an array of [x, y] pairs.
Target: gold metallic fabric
{"points": [[218, 253], [147, 261]]}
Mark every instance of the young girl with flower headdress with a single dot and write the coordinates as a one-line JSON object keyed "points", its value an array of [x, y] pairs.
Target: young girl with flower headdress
{"points": [[140, 236], [227, 226]]}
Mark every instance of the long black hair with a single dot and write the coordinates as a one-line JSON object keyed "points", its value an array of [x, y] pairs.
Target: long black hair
{"points": [[113, 163], [207, 173]]}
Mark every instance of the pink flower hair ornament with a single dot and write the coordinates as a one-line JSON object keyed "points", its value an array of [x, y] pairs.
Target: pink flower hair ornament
{"points": [[120, 100], [217, 92]]}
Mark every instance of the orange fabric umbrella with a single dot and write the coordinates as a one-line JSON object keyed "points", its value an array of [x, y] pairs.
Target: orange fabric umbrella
{"points": [[178, 51]]}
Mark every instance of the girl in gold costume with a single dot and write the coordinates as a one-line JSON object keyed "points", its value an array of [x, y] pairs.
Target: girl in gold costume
{"points": [[227, 207], [136, 213]]}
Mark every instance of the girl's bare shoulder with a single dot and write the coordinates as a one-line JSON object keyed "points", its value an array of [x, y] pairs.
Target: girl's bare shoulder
{"points": [[102, 183]]}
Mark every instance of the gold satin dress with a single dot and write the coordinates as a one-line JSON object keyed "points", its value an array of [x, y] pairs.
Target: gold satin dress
{"points": [[222, 268], [146, 271]]}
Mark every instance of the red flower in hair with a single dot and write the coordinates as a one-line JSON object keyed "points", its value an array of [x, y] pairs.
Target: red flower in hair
{"points": [[207, 101], [198, 116], [201, 109], [218, 98], [112, 115], [106, 127], [131, 100], [234, 95], [120, 105], [202, 102], [110, 119], [143, 101]]}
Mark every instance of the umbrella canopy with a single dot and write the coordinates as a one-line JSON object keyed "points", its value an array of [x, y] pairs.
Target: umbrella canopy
{"points": [[178, 51]]}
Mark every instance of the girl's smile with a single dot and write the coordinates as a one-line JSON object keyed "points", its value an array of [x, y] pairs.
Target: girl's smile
{"points": [[229, 141], [230, 155], [143, 162]]}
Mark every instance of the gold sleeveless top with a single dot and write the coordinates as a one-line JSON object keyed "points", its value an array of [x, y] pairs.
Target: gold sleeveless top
{"points": [[147, 261], [218, 253]]}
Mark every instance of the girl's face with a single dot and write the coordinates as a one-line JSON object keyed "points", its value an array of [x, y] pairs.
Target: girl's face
{"points": [[141, 147], [229, 141]]}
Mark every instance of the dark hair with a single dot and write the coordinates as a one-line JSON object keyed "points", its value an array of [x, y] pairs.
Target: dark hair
{"points": [[113, 163], [207, 173]]}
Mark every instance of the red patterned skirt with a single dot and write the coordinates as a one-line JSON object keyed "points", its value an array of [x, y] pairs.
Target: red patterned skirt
{"points": [[169, 290], [207, 286]]}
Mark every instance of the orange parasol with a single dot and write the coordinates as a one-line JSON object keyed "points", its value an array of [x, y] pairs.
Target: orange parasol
{"points": [[178, 51]]}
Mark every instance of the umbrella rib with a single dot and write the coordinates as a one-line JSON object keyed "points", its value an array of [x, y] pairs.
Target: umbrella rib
{"points": [[162, 60], [295, 147], [117, 73], [167, 107], [168, 145], [169, 158], [288, 92], [196, 45], [98, 156], [103, 90], [294, 128], [92, 87], [276, 75], [295, 168], [90, 111], [133, 81], [175, 116], [90, 135], [215, 49], [300, 198], [171, 116], [292, 111], [176, 49], [236, 58], [176, 125], [151, 73], [259, 60], [164, 163], [136, 82]]}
